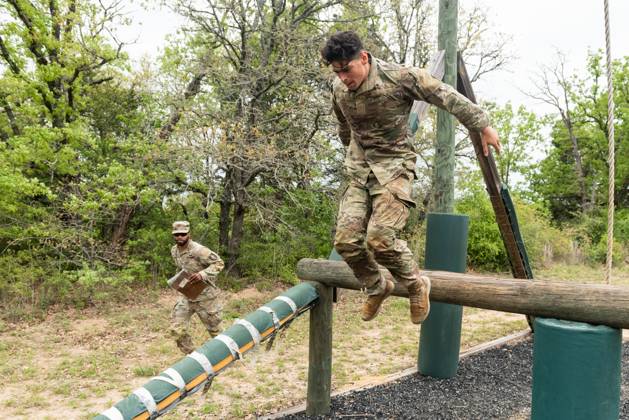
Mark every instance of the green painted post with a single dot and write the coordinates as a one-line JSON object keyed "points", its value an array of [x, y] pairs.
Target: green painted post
{"points": [[443, 199], [446, 236], [576, 371], [440, 336]]}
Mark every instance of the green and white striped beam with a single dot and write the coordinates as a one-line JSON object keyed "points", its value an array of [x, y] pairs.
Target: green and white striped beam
{"points": [[163, 392]]}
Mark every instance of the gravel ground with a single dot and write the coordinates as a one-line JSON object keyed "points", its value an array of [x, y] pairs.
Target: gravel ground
{"points": [[493, 384]]}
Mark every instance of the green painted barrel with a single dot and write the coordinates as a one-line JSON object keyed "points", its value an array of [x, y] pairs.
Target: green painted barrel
{"points": [[576, 371], [440, 337]]}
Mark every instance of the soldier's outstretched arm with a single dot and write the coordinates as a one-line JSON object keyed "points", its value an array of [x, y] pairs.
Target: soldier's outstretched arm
{"points": [[420, 85]]}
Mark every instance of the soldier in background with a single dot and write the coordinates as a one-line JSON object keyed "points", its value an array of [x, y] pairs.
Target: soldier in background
{"points": [[372, 100], [204, 266]]}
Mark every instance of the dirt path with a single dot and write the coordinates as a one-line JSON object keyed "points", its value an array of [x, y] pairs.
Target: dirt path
{"points": [[75, 364]]}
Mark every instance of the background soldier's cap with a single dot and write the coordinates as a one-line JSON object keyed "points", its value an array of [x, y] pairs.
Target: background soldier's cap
{"points": [[181, 226]]}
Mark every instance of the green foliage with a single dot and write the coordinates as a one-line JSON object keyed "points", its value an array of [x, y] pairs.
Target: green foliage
{"points": [[485, 249], [555, 180], [521, 138], [590, 231], [79, 172], [302, 228], [544, 243]]}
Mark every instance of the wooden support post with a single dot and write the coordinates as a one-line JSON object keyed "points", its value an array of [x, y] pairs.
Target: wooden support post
{"points": [[443, 200], [320, 353]]}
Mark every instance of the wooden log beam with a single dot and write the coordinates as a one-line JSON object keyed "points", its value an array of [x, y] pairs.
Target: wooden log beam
{"points": [[591, 303]]}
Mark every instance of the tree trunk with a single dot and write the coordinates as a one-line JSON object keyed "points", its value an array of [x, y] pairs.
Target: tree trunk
{"points": [[233, 251], [224, 221], [120, 231], [578, 165], [576, 153]]}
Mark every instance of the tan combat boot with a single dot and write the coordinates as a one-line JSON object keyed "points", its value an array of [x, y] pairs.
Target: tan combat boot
{"points": [[373, 302], [418, 295]]}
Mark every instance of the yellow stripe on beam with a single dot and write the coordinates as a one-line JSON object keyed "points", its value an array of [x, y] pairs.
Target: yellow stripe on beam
{"points": [[200, 378]]}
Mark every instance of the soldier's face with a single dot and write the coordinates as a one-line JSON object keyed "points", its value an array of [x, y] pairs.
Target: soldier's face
{"points": [[352, 72], [181, 238]]}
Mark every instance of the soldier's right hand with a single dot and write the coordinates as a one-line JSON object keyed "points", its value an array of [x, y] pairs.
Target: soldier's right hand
{"points": [[195, 278]]}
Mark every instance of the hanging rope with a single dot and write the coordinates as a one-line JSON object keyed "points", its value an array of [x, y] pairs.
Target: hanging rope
{"points": [[610, 156]]}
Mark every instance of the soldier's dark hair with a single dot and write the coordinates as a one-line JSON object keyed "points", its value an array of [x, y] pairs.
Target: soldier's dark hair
{"points": [[341, 46]]}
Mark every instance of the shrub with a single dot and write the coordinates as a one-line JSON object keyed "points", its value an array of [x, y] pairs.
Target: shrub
{"points": [[544, 243]]}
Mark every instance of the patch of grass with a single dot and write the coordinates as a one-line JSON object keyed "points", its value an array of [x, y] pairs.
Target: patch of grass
{"points": [[37, 387], [87, 366], [27, 372], [217, 387], [267, 389], [146, 371], [210, 408], [161, 348], [241, 306], [63, 389], [234, 394], [264, 285], [82, 395], [491, 329], [584, 274], [239, 374], [237, 410], [34, 400], [121, 319]]}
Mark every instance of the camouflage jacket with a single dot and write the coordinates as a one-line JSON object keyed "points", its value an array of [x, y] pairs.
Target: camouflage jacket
{"points": [[195, 258], [373, 120]]}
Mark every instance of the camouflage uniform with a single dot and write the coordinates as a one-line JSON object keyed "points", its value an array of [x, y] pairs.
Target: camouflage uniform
{"points": [[197, 258], [380, 163]]}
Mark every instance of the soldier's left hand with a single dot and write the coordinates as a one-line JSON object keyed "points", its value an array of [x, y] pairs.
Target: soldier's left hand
{"points": [[489, 137], [196, 277]]}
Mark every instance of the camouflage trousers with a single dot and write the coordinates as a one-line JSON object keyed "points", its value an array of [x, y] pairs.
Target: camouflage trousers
{"points": [[206, 306], [369, 220]]}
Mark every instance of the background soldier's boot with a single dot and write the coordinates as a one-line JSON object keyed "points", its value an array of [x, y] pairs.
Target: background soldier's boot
{"points": [[207, 385], [373, 302], [418, 295], [185, 344]]}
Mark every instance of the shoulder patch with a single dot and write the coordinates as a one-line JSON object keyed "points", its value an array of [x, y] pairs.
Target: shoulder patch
{"points": [[201, 251], [391, 71]]}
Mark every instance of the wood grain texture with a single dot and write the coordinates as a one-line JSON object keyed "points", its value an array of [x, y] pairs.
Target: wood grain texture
{"points": [[591, 303], [320, 354]]}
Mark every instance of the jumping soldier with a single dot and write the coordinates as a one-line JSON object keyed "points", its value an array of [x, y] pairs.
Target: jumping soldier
{"points": [[372, 100]]}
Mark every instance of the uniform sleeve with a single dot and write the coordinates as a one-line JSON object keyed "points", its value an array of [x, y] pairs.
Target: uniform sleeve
{"points": [[420, 85], [172, 254], [212, 262], [344, 130]]}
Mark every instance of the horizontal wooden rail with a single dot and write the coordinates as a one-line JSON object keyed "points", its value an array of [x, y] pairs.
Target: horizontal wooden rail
{"points": [[591, 303]]}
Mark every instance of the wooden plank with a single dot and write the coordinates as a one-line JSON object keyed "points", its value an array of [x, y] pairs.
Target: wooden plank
{"points": [[592, 303], [492, 181]]}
